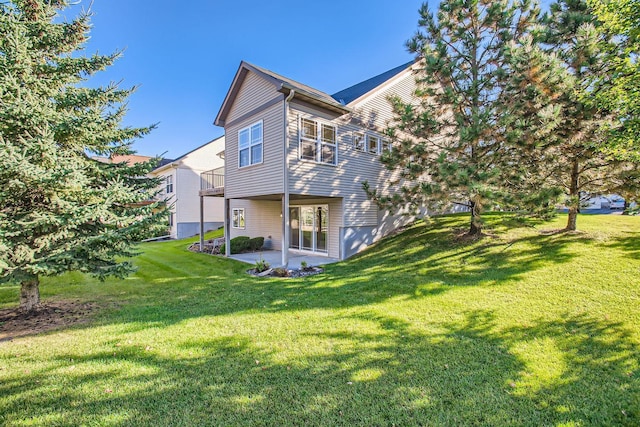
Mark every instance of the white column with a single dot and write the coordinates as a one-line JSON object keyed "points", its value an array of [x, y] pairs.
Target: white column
{"points": [[227, 228], [285, 229], [201, 223]]}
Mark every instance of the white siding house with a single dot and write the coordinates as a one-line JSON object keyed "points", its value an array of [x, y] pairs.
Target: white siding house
{"points": [[181, 185]]}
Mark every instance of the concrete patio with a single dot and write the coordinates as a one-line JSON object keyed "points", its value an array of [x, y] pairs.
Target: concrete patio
{"points": [[274, 258]]}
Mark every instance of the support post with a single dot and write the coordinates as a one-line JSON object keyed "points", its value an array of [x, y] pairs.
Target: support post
{"points": [[227, 228], [201, 223], [285, 229]]}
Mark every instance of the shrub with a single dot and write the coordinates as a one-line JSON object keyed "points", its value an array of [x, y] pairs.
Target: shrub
{"points": [[238, 245], [256, 243]]}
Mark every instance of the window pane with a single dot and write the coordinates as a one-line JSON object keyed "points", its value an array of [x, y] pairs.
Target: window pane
{"points": [[328, 134], [358, 141], [256, 154], [308, 150], [372, 145], [241, 218], [256, 134], [329, 154], [386, 145], [244, 157], [243, 138], [309, 129], [235, 221]]}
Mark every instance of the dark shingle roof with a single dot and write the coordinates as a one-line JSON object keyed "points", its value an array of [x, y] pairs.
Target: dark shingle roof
{"points": [[295, 84], [354, 92]]}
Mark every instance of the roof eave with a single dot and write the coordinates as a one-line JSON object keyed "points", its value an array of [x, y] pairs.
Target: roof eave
{"points": [[314, 99]]}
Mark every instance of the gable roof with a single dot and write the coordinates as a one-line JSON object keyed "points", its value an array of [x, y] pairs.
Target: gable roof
{"points": [[281, 84], [354, 92], [165, 163], [337, 102]]}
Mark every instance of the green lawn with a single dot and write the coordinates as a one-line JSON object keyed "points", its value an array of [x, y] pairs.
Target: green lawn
{"points": [[524, 328]]}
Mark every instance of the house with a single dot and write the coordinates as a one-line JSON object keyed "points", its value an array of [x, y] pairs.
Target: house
{"points": [[182, 178], [296, 159]]}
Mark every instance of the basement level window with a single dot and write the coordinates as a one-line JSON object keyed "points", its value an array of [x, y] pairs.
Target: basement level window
{"points": [[237, 218]]}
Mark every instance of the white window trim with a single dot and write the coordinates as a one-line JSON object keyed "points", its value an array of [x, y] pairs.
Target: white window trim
{"points": [[355, 135], [318, 141], [261, 123], [240, 214], [168, 183], [378, 139]]}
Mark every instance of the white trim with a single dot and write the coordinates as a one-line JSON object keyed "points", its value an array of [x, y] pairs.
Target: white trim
{"points": [[241, 214], [248, 129], [314, 242], [381, 87]]}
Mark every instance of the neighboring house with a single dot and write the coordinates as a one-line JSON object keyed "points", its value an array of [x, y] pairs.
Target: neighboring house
{"points": [[182, 178], [296, 159]]}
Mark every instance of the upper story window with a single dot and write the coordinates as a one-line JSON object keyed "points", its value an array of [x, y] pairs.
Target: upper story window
{"points": [[318, 142], [358, 141], [250, 145], [372, 144], [169, 182]]}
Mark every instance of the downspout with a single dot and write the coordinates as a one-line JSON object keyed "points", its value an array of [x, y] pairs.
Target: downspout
{"points": [[285, 195]]}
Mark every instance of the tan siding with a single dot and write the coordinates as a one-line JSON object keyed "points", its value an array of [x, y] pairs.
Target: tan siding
{"points": [[374, 111], [344, 180], [260, 179], [262, 219], [254, 92]]}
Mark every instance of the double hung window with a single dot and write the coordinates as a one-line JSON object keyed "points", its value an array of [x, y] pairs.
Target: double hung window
{"points": [[250, 145], [318, 142]]}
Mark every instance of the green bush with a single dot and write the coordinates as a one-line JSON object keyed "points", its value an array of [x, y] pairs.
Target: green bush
{"points": [[238, 245], [242, 244], [256, 243]]}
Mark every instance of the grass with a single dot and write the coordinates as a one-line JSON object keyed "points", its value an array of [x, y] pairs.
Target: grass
{"points": [[523, 328]]}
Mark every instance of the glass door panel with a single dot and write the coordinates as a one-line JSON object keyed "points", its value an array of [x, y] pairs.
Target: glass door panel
{"points": [[294, 221], [307, 227], [322, 228]]}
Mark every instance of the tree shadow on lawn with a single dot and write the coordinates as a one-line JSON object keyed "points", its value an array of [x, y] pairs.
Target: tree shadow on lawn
{"points": [[423, 261], [630, 244], [462, 373]]}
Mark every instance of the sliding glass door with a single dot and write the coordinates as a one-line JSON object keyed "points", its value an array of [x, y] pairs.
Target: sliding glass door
{"points": [[309, 227]]}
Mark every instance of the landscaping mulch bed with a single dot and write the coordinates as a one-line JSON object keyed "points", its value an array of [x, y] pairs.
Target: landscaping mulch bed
{"points": [[280, 272], [62, 313]]}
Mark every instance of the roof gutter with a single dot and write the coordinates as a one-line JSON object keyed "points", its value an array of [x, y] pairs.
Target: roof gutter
{"points": [[313, 98], [173, 165]]}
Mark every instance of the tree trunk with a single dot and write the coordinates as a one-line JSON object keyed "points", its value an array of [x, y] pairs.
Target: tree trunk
{"points": [[475, 228], [574, 197], [625, 209], [30, 295]]}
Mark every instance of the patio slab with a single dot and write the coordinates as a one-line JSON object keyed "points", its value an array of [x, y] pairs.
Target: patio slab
{"points": [[274, 258]]}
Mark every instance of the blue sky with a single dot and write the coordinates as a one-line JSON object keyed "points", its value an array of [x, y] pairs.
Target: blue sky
{"points": [[183, 56]]}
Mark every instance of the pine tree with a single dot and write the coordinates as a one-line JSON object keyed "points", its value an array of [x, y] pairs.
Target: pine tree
{"points": [[583, 162], [619, 90], [450, 146], [60, 210]]}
